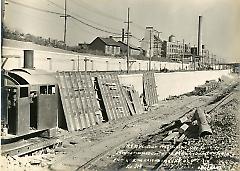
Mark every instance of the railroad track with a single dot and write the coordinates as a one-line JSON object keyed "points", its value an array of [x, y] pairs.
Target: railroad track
{"points": [[143, 156], [160, 134]]}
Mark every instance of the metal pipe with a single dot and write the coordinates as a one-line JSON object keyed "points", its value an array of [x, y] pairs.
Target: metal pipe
{"points": [[204, 128]]}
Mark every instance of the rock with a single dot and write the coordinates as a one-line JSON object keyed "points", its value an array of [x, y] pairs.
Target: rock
{"points": [[35, 162], [59, 149], [73, 142]]}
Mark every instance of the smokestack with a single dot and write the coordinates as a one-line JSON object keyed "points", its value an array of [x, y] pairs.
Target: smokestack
{"points": [[28, 59], [123, 35], [200, 36]]}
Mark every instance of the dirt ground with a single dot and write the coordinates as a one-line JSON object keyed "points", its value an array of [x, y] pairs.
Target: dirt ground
{"points": [[97, 146]]}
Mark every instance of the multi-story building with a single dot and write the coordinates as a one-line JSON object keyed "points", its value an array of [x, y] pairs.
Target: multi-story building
{"points": [[173, 49], [151, 43]]}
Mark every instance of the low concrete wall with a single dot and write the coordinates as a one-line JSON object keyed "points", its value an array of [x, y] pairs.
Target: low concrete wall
{"points": [[58, 61], [175, 83]]}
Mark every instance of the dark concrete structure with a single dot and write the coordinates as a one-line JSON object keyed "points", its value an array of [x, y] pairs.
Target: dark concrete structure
{"points": [[132, 49]]}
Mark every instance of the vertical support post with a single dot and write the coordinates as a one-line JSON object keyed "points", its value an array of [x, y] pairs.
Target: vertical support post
{"points": [[85, 64], [123, 35], [194, 62], [128, 22], [183, 53], [65, 21], [92, 65], [50, 63], [78, 63], [107, 65], [150, 51], [199, 53]]}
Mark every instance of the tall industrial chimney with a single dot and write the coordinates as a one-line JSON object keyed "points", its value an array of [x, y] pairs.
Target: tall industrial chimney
{"points": [[200, 36], [28, 59]]}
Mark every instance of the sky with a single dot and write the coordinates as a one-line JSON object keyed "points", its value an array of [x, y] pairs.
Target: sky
{"points": [[221, 21]]}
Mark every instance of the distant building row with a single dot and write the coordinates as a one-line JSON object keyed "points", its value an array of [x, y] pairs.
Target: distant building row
{"points": [[151, 46]]}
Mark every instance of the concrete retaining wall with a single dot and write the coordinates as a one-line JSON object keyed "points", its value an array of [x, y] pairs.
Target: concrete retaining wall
{"points": [[59, 61], [175, 83]]}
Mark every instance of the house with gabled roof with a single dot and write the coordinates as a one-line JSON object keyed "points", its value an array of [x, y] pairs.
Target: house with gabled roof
{"points": [[106, 45]]}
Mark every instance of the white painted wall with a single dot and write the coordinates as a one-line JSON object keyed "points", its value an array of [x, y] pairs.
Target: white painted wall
{"points": [[69, 61], [175, 83]]}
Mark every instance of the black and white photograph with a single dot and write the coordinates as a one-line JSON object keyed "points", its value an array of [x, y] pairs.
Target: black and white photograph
{"points": [[128, 85]]}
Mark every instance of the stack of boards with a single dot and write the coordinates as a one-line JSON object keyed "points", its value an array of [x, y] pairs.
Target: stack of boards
{"points": [[88, 100]]}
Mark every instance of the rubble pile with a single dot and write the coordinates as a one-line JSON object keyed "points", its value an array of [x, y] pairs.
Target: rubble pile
{"points": [[206, 88], [219, 151]]}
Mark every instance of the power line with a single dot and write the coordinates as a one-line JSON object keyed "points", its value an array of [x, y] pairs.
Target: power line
{"points": [[87, 7], [138, 26], [34, 8], [73, 17], [103, 30], [76, 2], [81, 16], [56, 5]]}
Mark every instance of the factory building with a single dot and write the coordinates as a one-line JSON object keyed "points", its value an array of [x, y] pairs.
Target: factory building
{"points": [[151, 44], [173, 49]]}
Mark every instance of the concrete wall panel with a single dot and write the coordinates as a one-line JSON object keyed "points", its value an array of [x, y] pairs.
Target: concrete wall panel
{"points": [[175, 83]]}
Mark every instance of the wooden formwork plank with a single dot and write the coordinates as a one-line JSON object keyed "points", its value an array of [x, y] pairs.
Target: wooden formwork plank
{"points": [[108, 84], [85, 101], [114, 96], [79, 100], [82, 100], [150, 84], [65, 101], [72, 99], [89, 99], [128, 100], [122, 101], [145, 89], [149, 88], [71, 109], [93, 99], [103, 91], [72, 89], [136, 101], [95, 103], [154, 89]]}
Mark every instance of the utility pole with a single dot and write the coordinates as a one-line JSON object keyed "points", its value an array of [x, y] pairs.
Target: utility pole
{"points": [[3, 4], [128, 33], [183, 53], [150, 51], [212, 61], [65, 16], [208, 59], [194, 59]]}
